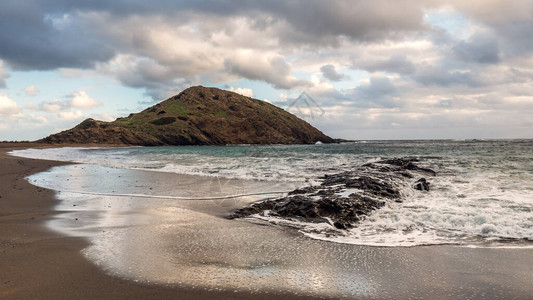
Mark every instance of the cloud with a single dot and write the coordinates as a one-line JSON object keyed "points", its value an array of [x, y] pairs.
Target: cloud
{"points": [[440, 76], [48, 37], [412, 62], [31, 90], [8, 107], [78, 99], [478, 48], [70, 115], [53, 106], [272, 69], [243, 91], [512, 24], [394, 64], [329, 72], [378, 91], [3, 74], [103, 117], [190, 41], [82, 100]]}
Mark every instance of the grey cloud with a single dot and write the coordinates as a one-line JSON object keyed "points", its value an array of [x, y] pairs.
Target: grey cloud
{"points": [[358, 20], [143, 73], [395, 64], [480, 49], [438, 76], [378, 92], [49, 34], [274, 71], [329, 72], [516, 37], [511, 22], [329, 97], [30, 39]]}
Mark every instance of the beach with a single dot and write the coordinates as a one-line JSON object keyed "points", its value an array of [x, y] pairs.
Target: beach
{"points": [[188, 249], [37, 263]]}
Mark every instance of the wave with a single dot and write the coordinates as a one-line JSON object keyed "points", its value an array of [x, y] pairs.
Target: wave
{"points": [[482, 193]]}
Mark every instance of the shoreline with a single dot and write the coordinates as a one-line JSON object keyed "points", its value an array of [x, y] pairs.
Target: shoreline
{"points": [[36, 262]]}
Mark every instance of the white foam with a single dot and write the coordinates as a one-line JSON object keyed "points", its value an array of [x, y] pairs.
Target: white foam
{"points": [[482, 215]]}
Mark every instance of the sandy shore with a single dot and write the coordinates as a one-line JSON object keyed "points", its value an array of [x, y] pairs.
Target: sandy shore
{"points": [[37, 263]]}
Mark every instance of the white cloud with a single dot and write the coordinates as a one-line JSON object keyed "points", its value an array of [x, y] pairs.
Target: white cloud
{"points": [[8, 107], [76, 100], [53, 106], [70, 115], [243, 91], [103, 117], [82, 100], [31, 90]]}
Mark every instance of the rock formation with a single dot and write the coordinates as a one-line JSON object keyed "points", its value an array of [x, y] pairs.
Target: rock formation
{"points": [[344, 198]]}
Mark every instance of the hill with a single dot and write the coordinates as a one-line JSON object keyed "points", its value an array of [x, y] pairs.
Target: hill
{"points": [[198, 116]]}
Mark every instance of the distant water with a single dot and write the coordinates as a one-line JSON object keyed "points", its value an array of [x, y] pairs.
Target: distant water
{"points": [[482, 194]]}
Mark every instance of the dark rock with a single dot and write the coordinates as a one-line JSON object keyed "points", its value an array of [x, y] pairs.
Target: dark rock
{"points": [[370, 185], [343, 211], [373, 184], [406, 164], [304, 190], [253, 209], [421, 184]]}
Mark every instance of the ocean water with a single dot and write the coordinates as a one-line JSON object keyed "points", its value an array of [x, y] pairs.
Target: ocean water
{"points": [[482, 195]]}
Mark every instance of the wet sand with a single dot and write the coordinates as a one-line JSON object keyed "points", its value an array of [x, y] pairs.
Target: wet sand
{"points": [[170, 247], [38, 263]]}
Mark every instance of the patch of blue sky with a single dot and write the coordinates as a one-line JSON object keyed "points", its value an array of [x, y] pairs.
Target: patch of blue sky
{"points": [[452, 21], [54, 85]]}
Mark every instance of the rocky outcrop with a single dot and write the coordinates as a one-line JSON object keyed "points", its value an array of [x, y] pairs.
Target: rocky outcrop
{"points": [[345, 198], [198, 116]]}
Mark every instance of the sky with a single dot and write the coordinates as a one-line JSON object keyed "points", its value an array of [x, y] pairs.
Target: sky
{"points": [[378, 69]]}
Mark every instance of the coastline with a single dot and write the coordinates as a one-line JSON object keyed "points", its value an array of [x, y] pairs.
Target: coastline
{"points": [[36, 262]]}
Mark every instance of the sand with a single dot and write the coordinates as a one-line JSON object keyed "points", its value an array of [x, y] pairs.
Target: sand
{"points": [[36, 262]]}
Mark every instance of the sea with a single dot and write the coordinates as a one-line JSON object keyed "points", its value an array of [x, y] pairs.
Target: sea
{"points": [[481, 196]]}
